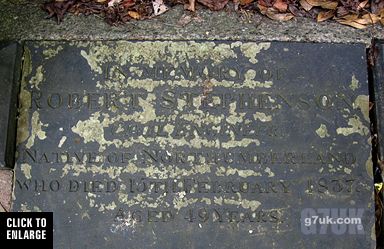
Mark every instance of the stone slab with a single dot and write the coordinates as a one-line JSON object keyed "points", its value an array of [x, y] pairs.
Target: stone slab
{"points": [[196, 144], [23, 20], [6, 180], [9, 76]]}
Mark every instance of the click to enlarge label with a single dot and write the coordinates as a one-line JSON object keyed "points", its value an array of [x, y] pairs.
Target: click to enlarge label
{"points": [[196, 144]]}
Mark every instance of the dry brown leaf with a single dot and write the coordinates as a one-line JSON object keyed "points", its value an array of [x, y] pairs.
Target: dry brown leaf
{"points": [[159, 7], [326, 4], [214, 4], [127, 3], [271, 13], [330, 5], [325, 15], [362, 5], [374, 18], [264, 3], [245, 2], [305, 5], [351, 23], [262, 8], [280, 5], [368, 19], [134, 15], [341, 11], [350, 17], [382, 16], [191, 5]]}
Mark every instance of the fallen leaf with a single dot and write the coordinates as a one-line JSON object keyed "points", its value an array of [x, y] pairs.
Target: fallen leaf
{"points": [[330, 5], [362, 5], [190, 6], [374, 18], [341, 11], [58, 9], [127, 3], [371, 105], [111, 3], [159, 7], [305, 5], [368, 19], [382, 16], [280, 5], [262, 8], [266, 3], [351, 23], [326, 4], [325, 15], [350, 17], [134, 15], [214, 4], [245, 2], [296, 11], [379, 186], [274, 15]]}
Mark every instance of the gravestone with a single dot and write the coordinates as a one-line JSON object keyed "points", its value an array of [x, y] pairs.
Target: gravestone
{"points": [[196, 144], [9, 77]]}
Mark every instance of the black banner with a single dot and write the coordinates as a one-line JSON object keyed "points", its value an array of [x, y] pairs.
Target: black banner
{"points": [[32, 229]]}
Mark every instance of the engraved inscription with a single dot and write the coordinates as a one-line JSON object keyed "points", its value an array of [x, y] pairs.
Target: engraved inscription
{"points": [[209, 143]]}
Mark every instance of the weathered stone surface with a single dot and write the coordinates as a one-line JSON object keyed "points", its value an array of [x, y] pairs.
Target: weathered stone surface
{"points": [[378, 85], [26, 21], [6, 179], [377, 53], [195, 144], [9, 75]]}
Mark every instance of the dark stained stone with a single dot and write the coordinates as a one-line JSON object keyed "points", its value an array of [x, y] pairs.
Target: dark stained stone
{"points": [[196, 144], [9, 76], [378, 86], [377, 92]]}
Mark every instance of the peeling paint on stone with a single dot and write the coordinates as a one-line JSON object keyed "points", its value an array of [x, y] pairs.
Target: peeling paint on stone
{"points": [[247, 204], [269, 172], [356, 126], [62, 141], [369, 166], [24, 99], [38, 78], [26, 169], [262, 117], [250, 49], [37, 130], [362, 102], [228, 171], [322, 131], [347, 171], [354, 83], [52, 52]]}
